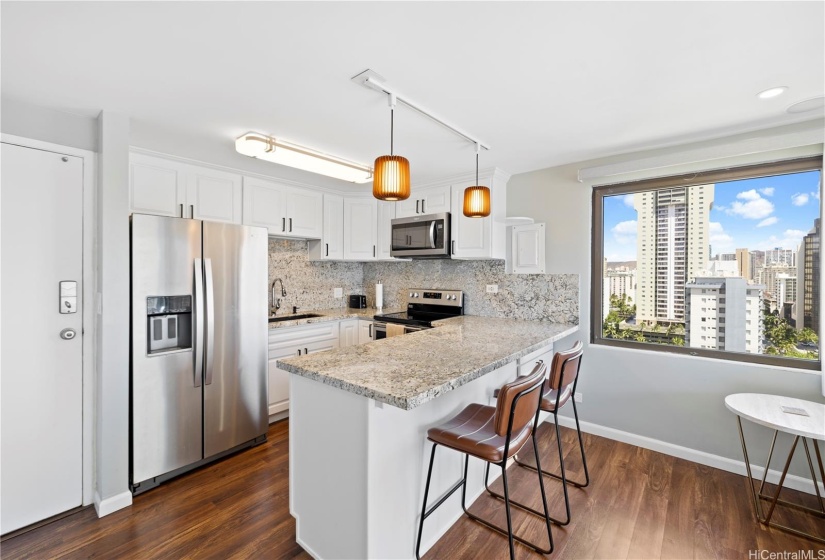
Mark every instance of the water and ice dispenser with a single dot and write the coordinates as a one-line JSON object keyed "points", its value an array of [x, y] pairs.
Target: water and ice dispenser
{"points": [[169, 323]]}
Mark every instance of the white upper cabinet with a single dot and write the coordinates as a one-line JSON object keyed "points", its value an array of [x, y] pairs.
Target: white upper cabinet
{"points": [[213, 195], [480, 238], [331, 245], [170, 188], [360, 229], [284, 210], [386, 213], [432, 200], [157, 186]]}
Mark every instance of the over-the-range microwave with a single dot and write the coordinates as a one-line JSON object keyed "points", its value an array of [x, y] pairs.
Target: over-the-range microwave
{"points": [[421, 237]]}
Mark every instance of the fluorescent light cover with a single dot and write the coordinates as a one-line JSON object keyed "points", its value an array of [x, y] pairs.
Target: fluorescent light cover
{"points": [[773, 92], [265, 147]]}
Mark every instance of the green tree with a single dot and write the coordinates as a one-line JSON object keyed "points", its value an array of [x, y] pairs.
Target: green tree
{"points": [[808, 336], [678, 341]]}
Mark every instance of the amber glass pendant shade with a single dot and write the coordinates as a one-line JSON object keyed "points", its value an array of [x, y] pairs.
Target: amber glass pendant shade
{"points": [[391, 178], [477, 202]]}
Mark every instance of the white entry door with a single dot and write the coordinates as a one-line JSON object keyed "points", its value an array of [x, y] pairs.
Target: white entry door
{"points": [[41, 223]]}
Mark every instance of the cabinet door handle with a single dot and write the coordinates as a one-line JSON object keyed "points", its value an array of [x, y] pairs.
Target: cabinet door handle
{"points": [[299, 351], [192, 211], [422, 205], [327, 244], [370, 330], [181, 210], [453, 246], [290, 224], [283, 224], [306, 351], [373, 251], [417, 202]]}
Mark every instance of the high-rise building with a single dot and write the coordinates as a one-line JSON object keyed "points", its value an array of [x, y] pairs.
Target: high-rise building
{"points": [[673, 238], [768, 274], [743, 263], [808, 279], [724, 314], [621, 281], [757, 262], [784, 288], [780, 256]]}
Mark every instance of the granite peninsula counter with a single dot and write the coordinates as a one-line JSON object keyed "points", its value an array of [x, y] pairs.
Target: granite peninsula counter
{"points": [[357, 465]]}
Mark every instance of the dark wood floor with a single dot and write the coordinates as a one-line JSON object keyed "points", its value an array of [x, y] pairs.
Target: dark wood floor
{"points": [[640, 505]]}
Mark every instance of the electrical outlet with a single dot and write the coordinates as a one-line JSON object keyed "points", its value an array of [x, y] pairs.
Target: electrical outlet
{"points": [[338, 293], [578, 397], [492, 288]]}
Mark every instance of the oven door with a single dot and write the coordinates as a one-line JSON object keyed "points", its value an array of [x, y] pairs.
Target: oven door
{"points": [[379, 330], [426, 236]]}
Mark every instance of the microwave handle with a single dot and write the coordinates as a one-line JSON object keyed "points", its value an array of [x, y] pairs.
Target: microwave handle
{"points": [[432, 234]]}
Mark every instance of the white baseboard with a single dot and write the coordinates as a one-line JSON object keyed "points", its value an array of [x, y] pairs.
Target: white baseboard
{"points": [[112, 503], [730, 465]]}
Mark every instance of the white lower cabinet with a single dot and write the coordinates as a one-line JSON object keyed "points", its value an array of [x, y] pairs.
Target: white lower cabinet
{"points": [[287, 342], [364, 332], [348, 333]]}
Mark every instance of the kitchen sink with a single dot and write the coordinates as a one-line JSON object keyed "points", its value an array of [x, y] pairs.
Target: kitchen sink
{"points": [[293, 317]]}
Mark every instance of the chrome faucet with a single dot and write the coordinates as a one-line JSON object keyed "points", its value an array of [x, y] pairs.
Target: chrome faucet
{"points": [[276, 301]]}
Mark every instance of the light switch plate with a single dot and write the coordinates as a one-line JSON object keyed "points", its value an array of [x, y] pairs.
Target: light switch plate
{"points": [[338, 292]]}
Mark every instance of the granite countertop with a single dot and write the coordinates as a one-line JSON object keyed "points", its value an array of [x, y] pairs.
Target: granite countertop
{"points": [[408, 371], [329, 315]]}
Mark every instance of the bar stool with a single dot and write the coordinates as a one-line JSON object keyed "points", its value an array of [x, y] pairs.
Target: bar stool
{"points": [[559, 389], [492, 434]]}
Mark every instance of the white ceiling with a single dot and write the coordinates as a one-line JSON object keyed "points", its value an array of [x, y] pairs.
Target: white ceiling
{"points": [[545, 83]]}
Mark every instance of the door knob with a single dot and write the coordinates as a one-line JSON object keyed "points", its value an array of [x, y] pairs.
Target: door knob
{"points": [[68, 334]]}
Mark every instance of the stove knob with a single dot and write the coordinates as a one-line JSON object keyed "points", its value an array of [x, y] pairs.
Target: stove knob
{"points": [[453, 297], [415, 294], [411, 294]]}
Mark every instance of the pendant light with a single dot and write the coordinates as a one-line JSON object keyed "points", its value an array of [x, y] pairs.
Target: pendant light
{"points": [[391, 178], [477, 197]]}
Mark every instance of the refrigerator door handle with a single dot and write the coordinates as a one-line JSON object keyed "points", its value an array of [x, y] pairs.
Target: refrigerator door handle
{"points": [[198, 320], [210, 321]]}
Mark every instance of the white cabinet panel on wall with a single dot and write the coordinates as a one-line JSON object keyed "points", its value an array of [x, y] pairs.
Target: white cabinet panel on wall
{"points": [[386, 213], [331, 245], [284, 210], [432, 200], [213, 195], [360, 225], [164, 187], [527, 254], [156, 186]]}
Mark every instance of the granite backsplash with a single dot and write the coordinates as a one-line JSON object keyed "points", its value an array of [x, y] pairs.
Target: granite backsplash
{"points": [[310, 284]]}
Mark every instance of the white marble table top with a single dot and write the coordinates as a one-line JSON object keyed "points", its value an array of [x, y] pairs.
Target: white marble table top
{"points": [[767, 411]]}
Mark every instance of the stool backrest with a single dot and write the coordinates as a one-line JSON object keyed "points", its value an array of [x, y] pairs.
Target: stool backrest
{"points": [[521, 398], [565, 367]]}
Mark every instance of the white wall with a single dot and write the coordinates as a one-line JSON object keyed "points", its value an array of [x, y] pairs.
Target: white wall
{"points": [[676, 399], [39, 123]]}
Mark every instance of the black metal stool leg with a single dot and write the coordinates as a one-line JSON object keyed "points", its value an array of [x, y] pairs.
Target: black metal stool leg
{"points": [[586, 482], [507, 509], [424, 507]]}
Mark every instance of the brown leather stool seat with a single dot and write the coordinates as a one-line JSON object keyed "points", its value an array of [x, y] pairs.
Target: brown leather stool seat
{"points": [[492, 434], [559, 388], [473, 431]]}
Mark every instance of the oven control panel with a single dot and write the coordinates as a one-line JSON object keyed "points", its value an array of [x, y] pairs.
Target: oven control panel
{"points": [[453, 298]]}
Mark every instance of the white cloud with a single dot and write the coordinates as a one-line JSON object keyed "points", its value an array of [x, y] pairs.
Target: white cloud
{"points": [[768, 221], [624, 232], [767, 191], [628, 200], [815, 194], [799, 199], [790, 239], [748, 195], [755, 207], [718, 238]]}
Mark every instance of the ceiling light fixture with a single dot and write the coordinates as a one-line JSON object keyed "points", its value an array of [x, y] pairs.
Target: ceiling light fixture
{"points": [[477, 197], [771, 93], [261, 146], [392, 173]]}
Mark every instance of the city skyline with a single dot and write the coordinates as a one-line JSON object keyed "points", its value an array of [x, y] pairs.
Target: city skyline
{"points": [[758, 214]]}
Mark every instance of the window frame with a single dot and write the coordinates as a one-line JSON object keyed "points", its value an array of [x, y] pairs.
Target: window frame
{"points": [[718, 175]]}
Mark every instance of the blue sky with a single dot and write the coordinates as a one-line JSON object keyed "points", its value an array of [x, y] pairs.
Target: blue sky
{"points": [[761, 213]]}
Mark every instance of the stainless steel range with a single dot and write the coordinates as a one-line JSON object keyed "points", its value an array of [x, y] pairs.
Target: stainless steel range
{"points": [[424, 307]]}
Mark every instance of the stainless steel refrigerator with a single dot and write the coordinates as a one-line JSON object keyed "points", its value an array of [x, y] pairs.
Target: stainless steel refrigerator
{"points": [[199, 344]]}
